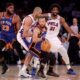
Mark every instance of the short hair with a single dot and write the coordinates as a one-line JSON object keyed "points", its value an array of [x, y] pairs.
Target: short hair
{"points": [[43, 18], [55, 5], [37, 9], [9, 4]]}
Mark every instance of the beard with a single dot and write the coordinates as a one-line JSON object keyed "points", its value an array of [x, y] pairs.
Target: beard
{"points": [[9, 13], [54, 14]]}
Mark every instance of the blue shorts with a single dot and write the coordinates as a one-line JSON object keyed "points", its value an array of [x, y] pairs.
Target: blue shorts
{"points": [[7, 37]]}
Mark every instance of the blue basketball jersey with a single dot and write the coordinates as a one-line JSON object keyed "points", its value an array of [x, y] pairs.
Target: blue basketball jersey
{"points": [[7, 29]]}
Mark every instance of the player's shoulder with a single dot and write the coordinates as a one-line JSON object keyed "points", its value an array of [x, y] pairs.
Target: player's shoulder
{"points": [[1, 14], [16, 16], [27, 19], [62, 19]]}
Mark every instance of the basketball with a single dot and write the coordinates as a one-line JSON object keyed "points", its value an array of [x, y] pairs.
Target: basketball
{"points": [[45, 46]]}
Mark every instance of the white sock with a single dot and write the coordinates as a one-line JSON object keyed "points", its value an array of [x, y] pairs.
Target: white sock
{"points": [[68, 67], [36, 62], [24, 68]]}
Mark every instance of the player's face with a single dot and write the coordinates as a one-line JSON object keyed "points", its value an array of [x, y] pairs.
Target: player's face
{"points": [[55, 11], [10, 9], [42, 22], [39, 13]]}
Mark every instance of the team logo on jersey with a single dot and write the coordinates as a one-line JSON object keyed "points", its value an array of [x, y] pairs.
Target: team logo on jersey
{"points": [[6, 22], [53, 24]]}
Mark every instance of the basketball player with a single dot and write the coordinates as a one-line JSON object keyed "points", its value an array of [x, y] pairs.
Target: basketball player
{"points": [[24, 36], [37, 38], [9, 21], [53, 27]]}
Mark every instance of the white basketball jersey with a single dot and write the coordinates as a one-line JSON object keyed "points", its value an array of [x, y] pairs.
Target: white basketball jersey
{"points": [[32, 25], [53, 26]]}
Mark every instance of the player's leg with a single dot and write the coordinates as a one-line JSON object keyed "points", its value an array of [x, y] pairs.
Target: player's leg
{"points": [[35, 51], [52, 61], [45, 58], [2, 57], [35, 66], [43, 62], [17, 47], [56, 46], [65, 57], [28, 58]]}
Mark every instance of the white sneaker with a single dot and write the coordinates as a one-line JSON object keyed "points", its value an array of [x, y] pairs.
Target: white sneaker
{"points": [[24, 74]]}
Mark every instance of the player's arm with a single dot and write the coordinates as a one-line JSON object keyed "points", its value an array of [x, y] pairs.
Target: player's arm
{"points": [[26, 26], [35, 35], [46, 15], [78, 35], [17, 23], [65, 25], [0, 15]]}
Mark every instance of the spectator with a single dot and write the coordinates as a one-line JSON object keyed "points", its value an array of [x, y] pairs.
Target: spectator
{"points": [[73, 50]]}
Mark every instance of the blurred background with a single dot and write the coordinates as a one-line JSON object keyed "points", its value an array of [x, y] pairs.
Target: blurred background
{"points": [[70, 8]]}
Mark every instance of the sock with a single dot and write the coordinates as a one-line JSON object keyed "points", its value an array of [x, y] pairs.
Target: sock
{"points": [[36, 62], [68, 67], [24, 68]]}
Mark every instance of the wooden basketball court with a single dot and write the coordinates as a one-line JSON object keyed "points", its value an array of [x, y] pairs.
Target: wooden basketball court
{"points": [[12, 74]]}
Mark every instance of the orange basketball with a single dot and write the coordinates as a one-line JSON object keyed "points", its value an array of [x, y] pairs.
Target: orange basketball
{"points": [[45, 46]]}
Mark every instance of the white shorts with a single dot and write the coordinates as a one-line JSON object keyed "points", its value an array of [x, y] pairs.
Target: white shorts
{"points": [[55, 43], [23, 42]]}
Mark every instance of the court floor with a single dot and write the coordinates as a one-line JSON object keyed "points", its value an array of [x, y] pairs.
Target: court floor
{"points": [[12, 74]]}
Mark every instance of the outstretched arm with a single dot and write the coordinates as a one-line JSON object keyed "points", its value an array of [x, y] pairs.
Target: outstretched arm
{"points": [[65, 25]]}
